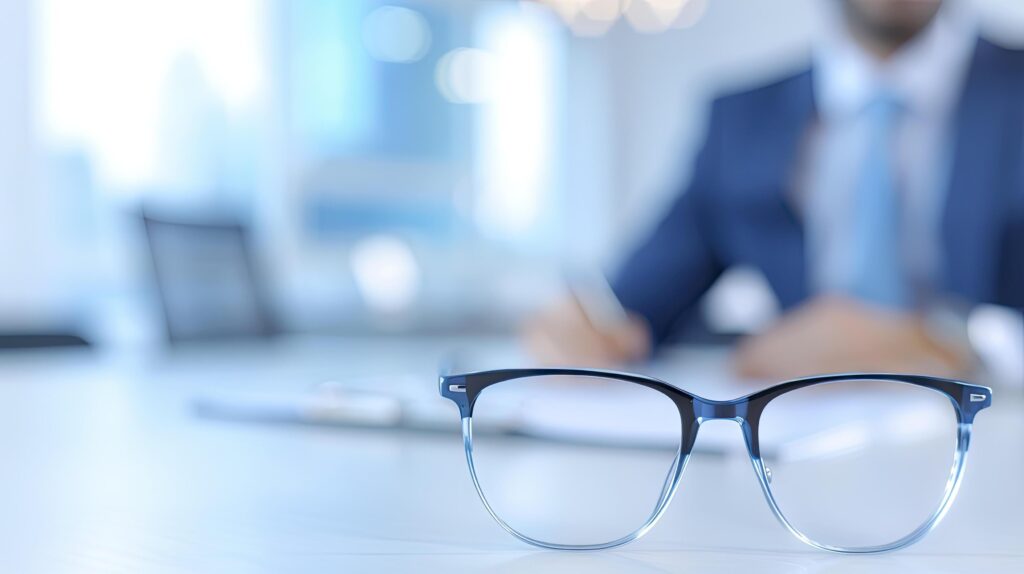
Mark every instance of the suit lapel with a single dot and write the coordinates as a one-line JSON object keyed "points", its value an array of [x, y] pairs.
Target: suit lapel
{"points": [[789, 274], [985, 144]]}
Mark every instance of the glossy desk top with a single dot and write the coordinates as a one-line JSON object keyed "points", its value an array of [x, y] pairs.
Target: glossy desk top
{"points": [[107, 469]]}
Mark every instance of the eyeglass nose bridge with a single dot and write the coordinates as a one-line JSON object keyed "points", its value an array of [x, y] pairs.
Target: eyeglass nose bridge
{"points": [[707, 410], [739, 411]]}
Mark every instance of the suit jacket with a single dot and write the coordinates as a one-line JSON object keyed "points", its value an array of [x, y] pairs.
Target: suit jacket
{"points": [[738, 208]]}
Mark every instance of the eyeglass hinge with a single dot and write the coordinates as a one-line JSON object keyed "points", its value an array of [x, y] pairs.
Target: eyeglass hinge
{"points": [[456, 388]]}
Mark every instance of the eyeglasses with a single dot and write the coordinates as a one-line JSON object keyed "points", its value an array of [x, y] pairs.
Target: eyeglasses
{"points": [[575, 459]]}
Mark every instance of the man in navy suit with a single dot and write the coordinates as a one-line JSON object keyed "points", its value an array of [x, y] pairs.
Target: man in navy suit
{"points": [[880, 192]]}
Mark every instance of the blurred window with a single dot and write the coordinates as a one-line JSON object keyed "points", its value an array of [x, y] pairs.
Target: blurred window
{"points": [[151, 89]]}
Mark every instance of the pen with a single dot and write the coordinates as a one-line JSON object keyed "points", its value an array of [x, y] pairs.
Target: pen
{"points": [[597, 300]]}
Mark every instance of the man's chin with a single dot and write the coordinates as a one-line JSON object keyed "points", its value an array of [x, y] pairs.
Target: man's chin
{"points": [[893, 21]]}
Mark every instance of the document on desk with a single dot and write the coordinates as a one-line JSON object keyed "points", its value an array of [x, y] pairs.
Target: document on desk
{"points": [[409, 402]]}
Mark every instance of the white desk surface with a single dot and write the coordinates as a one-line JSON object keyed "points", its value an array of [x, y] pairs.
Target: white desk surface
{"points": [[106, 469]]}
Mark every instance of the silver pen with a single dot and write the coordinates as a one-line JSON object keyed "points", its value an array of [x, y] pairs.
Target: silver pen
{"points": [[597, 300]]}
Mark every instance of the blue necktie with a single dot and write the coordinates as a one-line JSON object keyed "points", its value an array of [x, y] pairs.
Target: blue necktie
{"points": [[877, 273]]}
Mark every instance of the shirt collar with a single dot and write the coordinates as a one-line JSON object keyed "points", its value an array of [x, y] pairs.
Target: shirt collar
{"points": [[925, 74]]}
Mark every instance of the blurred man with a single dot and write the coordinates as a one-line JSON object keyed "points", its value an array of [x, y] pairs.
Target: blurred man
{"points": [[880, 192]]}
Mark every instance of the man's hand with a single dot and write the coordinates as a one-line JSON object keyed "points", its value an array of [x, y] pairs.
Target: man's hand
{"points": [[838, 335], [563, 335]]}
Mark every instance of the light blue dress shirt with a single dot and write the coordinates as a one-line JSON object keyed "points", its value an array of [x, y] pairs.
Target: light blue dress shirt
{"points": [[927, 77]]}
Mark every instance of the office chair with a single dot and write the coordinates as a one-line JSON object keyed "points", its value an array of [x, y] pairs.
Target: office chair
{"points": [[207, 279]]}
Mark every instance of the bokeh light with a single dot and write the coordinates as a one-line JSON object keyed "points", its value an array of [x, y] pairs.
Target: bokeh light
{"points": [[691, 13], [386, 273], [396, 34], [602, 10], [466, 75], [595, 17], [652, 15]]}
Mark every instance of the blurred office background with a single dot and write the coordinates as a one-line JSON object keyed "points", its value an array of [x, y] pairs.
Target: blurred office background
{"points": [[367, 166]]}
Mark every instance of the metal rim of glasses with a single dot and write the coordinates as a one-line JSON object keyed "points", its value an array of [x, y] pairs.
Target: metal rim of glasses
{"points": [[967, 400]]}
